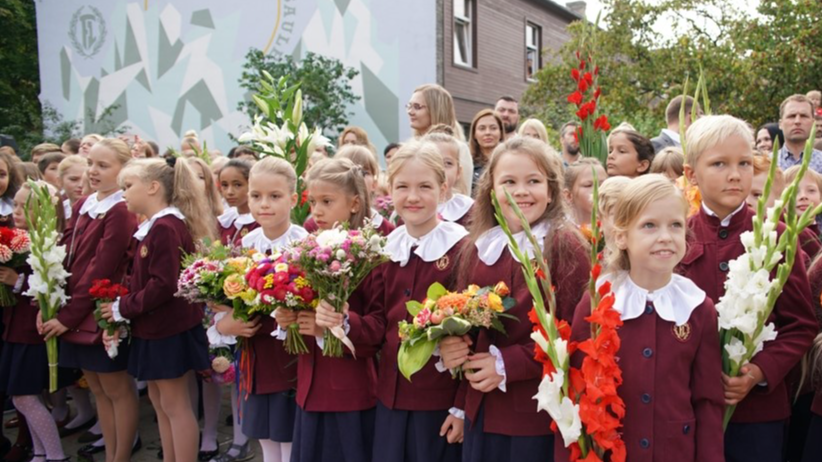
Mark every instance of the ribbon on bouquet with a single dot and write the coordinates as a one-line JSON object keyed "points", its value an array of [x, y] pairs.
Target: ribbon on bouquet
{"points": [[338, 332]]}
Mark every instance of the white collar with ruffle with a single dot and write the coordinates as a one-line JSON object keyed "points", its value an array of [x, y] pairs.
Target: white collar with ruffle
{"points": [[93, 207], [232, 217], [430, 247], [491, 244], [258, 241], [145, 227], [456, 207], [674, 302], [6, 206]]}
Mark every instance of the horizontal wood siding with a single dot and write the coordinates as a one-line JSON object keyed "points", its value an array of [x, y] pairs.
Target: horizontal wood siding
{"points": [[500, 51]]}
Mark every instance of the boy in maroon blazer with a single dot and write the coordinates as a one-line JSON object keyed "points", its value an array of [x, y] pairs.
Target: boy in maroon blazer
{"points": [[719, 163]]}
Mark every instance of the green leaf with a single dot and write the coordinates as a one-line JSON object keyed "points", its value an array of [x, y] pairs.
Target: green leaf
{"points": [[412, 358], [436, 291], [456, 326], [413, 307]]}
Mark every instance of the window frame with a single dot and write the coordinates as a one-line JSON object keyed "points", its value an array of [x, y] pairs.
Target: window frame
{"points": [[537, 37], [468, 25]]}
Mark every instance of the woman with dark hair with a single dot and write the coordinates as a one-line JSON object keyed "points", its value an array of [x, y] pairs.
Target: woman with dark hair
{"points": [[485, 134], [765, 135]]}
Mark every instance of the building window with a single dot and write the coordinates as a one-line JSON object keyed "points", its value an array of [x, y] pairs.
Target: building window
{"points": [[464, 32], [533, 63]]}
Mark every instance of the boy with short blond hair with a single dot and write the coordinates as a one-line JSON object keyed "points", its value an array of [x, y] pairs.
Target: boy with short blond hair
{"points": [[719, 163]]}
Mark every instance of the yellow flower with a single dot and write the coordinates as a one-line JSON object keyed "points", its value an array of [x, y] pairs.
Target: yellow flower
{"points": [[429, 304], [269, 278], [495, 303], [234, 285], [472, 290], [301, 282], [501, 289]]}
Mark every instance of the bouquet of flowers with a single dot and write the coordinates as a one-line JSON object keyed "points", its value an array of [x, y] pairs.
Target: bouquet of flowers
{"points": [[15, 246], [103, 291], [204, 275], [751, 290], [48, 278], [335, 262], [281, 283], [222, 365], [583, 403], [384, 206], [445, 313]]}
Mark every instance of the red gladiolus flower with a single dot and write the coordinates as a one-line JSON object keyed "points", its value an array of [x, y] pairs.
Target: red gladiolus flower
{"points": [[597, 93], [588, 77], [596, 70], [582, 85], [540, 274], [575, 98], [602, 123], [596, 269], [582, 114], [575, 75], [582, 65]]}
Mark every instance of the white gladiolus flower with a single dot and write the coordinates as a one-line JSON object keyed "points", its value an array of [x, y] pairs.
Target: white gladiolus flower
{"points": [[747, 239], [562, 410], [562, 351], [569, 423], [540, 340], [736, 350], [746, 323]]}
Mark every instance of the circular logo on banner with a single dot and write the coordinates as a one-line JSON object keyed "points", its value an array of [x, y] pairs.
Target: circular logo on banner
{"points": [[87, 31]]}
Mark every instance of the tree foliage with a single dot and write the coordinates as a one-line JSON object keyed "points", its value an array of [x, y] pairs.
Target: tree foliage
{"points": [[325, 83], [750, 63]]}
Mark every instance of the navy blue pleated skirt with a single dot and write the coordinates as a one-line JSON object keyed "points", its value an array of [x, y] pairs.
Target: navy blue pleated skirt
{"points": [[812, 452], [333, 436], [412, 436], [761, 441], [24, 369], [94, 357], [492, 447], [269, 417], [170, 357]]}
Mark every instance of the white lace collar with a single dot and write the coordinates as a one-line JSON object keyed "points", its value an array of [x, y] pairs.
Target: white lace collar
{"points": [[67, 208], [6, 206], [376, 219], [145, 227], [258, 241], [232, 216], [456, 207], [491, 244], [724, 222], [430, 247], [674, 302], [93, 207]]}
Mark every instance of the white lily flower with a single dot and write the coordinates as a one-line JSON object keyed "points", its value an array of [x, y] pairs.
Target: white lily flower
{"points": [[736, 350]]}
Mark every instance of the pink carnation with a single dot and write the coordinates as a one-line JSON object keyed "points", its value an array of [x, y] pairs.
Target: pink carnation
{"points": [[5, 254]]}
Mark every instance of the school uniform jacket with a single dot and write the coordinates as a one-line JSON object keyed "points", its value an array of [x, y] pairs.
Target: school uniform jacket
{"points": [[514, 412], [349, 383], [20, 320], [234, 226], [711, 247], [383, 226], [273, 369], [458, 209], [672, 385], [99, 245], [150, 305], [415, 265]]}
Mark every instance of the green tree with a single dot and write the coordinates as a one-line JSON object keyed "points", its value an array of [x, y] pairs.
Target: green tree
{"points": [[325, 83], [750, 63]]}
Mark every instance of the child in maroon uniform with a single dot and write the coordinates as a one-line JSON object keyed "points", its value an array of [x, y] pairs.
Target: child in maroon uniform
{"points": [[417, 420], [669, 350], [24, 371], [719, 163], [237, 221], [501, 418], [336, 396], [168, 341], [457, 207]]}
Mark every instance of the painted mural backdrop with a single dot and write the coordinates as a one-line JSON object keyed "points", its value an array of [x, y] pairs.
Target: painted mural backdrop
{"points": [[173, 66]]}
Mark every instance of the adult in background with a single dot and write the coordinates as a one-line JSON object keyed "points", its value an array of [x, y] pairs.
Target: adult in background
{"points": [[533, 128], [796, 117], [486, 133], [765, 135], [569, 145], [355, 136], [670, 136], [509, 112]]}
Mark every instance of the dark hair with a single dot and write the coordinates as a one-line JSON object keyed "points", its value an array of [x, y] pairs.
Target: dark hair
{"points": [[507, 98], [243, 165], [154, 148], [390, 147], [474, 146], [673, 109], [643, 146], [774, 132], [242, 150], [567, 125], [15, 176], [73, 144], [27, 171], [48, 159]]}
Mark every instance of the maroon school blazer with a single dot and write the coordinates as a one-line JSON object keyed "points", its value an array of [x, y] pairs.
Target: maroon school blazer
{"points": [[151, 306], [514, 413], [232, 236], [102, 249], [345, 384], [710, 248], [672, 385], [429, 390], [21, 319]]}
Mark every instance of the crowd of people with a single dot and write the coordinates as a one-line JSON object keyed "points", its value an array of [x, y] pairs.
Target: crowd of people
{"points": [[671, 223]]}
